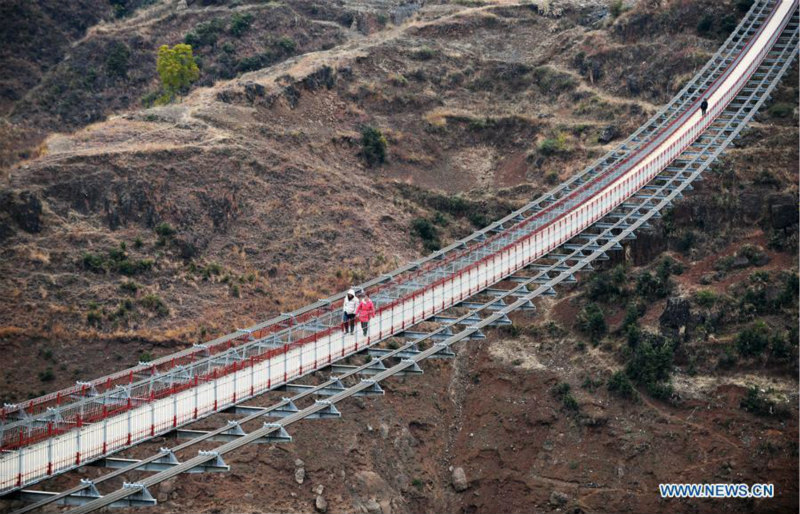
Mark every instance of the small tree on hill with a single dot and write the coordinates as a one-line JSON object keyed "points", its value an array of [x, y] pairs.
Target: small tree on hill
{"points": [[117, 59], [177, 68], [373, 145]]}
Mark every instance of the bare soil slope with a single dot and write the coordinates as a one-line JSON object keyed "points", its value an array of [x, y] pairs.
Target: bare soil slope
{"points": [[157, 228]]}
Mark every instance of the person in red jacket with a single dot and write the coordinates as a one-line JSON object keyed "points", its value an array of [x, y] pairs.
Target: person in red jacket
{"points": [[365, 312]]}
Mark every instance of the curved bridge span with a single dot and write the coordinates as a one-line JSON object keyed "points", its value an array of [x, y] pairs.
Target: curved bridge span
{"points": [[472, 284]]}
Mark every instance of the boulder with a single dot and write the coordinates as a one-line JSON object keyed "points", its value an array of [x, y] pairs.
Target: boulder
{"points": [[609, 134], [320, 504], [299, 475], [373, 507], [783, 211], [751, 206], [165, 489], [740, 262], [677, 317], [557, 498], [252, 90], [24, 208], [633, 84], [323, 77], [460, 483]]}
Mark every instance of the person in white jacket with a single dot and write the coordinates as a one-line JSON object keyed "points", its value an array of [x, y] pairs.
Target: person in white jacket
{"points": [[349, 312]]}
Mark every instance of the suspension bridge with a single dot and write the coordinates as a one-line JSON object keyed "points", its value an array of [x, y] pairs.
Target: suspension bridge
{"points": [[423, 308]]}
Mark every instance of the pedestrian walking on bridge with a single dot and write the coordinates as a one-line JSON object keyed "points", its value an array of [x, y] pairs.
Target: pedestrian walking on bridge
{"points": [[704, 106], [365, 312], [349, 308]]}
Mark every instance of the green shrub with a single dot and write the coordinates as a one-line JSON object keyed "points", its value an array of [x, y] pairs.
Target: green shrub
{"points": [[607, 286], [592, 322], [779, 347], [145, 357], [119, 8], [653, 288], [164, 229], [240, 23], [633, 312], [661, 390], [130, 286], [427, 232], [724, 263], [789, 292], [155, 304], [554, 145], [754, 254], [478, 219], [562, 393], [117, 254], [633, 334], [705, 298], [590, 384], [509, 330], [668, 266], [728, 358], [616, 8], [620, 385], [553, 82], [254, 62], [744, 5], [117, 59], [47, 375], [705, 24], [94, 262], [130, 268], [287, 44], [150, 99], [210, 269], [651, 365], [781, 110], [93, 318], [122, 310], [116, 260], [753, 340], [686, 241], [373, 145], [205, 33], [755, 403], [425, 53]]}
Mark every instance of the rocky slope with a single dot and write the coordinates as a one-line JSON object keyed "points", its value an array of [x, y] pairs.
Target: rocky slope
{"points": [[157, 228]]}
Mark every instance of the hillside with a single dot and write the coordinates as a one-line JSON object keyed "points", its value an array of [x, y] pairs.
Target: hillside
{"points": [[129, 232]]}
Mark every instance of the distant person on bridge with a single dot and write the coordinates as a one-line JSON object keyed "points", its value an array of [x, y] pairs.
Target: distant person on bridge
{"points": [[365, 311], [704, 106], [349, 308]]}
